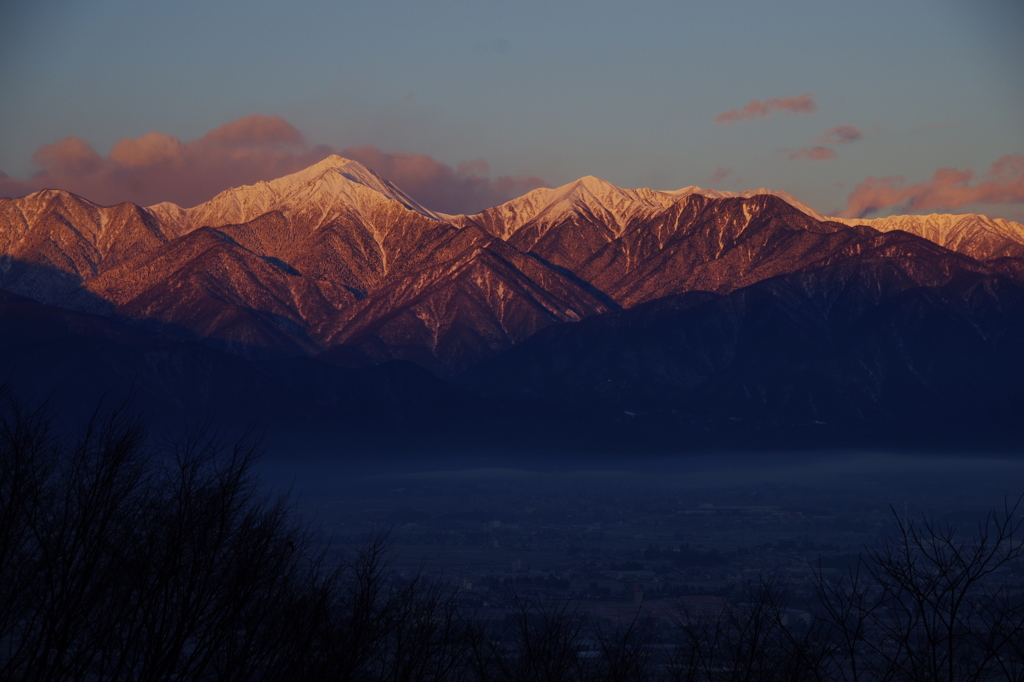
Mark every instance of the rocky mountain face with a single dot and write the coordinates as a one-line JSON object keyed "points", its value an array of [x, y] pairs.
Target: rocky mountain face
{"points": [[691, 311], [52, 241]]}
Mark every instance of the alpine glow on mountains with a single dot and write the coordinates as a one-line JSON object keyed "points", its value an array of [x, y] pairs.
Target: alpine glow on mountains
{"points": [[330, 295]]}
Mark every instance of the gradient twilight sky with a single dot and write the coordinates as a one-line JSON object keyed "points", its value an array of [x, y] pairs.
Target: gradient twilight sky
{"points": [[468, 103]]}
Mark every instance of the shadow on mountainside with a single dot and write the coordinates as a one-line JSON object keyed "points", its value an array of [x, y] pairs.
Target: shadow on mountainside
{"points": [[73, 359], [844, 356], [49, 285]]}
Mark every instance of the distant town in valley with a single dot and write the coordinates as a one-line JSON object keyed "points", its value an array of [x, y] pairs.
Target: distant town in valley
{"points": [[650, 537]]}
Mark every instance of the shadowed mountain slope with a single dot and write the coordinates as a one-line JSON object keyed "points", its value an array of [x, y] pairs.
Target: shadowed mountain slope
{"points": [[75, 360]]}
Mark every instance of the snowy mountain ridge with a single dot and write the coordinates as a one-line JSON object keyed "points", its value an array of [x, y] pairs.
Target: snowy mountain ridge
{"points": [[972, 234], [337, 186], [600, 201]]}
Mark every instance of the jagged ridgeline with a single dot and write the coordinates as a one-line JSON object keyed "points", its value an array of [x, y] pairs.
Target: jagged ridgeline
{"points": [[329, 302]]}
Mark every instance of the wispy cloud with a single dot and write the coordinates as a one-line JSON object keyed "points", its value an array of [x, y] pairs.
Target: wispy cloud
{"points": [[801, 104], [838, 135], [811, 154], [947, 189], [720, 174], [841, 135], [157, 167]]}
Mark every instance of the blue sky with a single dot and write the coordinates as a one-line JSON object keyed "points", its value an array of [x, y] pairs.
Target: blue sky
{"points": [[628, 92]]}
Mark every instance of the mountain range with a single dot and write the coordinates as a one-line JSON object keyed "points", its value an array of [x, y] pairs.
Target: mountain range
{"points": [[330, 302]]}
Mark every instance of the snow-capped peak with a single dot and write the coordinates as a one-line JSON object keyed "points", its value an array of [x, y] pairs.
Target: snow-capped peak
{"points": [[332, 181], [588, 195], [334, 167]]}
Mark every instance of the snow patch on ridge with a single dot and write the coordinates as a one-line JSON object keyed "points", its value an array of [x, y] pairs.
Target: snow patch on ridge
{"points": [[591, 196], [747, 194]]}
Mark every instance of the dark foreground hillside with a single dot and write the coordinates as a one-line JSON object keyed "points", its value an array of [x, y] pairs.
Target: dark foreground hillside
{"points": [[124, 557]]}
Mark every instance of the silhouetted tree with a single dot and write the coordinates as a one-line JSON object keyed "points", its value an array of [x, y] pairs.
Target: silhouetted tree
{"points": [[122, 561], [929, 604], [753, 640], [626, 652]]}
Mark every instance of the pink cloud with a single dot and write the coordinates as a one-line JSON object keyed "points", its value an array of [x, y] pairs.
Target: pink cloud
{"points": [[841, 135], [256, 131], [801, 104], [157, 167], [720, 174], [811, 154], [947, 189]]}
